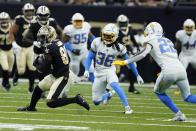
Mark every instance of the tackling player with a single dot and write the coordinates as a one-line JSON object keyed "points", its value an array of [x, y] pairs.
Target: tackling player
{"points": [[54, 58], [6, 51], [172, 70], [75, 39], [105, 49], [23, 50]]}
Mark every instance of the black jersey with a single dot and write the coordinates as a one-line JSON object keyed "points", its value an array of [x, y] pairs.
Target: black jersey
{"points": [[60, 58], [5, 43], [23, 24], [35, 26], [127, 37]]}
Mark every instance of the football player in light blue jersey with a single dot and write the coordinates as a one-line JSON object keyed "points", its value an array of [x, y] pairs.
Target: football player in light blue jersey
{"points": [[172, 70], [105, 49]]}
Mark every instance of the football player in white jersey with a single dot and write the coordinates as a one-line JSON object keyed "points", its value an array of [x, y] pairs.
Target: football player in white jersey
{"points": [[75, 39], [105, 49], [172, 71], [186, 40]]}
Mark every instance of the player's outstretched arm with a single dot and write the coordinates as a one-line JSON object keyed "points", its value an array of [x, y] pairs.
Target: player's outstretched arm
{"points": [[90, 57], [135, 58]]}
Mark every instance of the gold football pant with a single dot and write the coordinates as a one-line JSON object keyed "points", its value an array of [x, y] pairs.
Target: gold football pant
{"points": [[23, 58], [56, 86], [7, 60]]}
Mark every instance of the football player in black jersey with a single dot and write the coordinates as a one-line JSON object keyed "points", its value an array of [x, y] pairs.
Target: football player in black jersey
{"points": [[126, 36], [54, 58], [23, 50], [42, 19], [6, 52]]}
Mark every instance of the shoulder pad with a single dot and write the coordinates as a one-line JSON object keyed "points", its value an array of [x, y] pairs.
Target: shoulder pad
{"points": [[18, 17], [51, 19]]}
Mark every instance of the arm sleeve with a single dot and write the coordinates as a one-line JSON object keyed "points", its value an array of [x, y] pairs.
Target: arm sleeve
{"points": [[89, 59], [132, 66], [141, 55], [68, 46], [92, 38]]}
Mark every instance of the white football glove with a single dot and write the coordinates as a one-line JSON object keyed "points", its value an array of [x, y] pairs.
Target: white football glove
{"points": [[16, 47], [86, 74], [37, 44], [139, 80]]}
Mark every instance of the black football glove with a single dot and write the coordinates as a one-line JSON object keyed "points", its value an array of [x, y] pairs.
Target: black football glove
{"points": [[76, 51]]}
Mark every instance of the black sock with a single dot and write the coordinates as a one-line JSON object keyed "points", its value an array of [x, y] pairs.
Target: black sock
{"points": [[131, 86], [5, 78], [31, 78], [61, 102], [35, 96]]}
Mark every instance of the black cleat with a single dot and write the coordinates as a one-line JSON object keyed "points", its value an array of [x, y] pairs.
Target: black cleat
{"points": [[30, 90], [26, 109], [6, 87], [82, 102], [135, 92]]}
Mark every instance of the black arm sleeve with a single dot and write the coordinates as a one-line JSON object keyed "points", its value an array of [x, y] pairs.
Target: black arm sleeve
{"points": [[38, 50]]}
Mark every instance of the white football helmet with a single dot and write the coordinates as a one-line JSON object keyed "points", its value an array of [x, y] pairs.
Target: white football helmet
{"points": [[4, 19], [109, 33], [123, 22], [153, 29], [43, 14], [77, 20], [28, 11], [189, 26]]}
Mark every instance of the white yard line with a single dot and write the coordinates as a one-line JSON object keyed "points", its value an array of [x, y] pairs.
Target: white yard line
{"points": [[29, 127], [96, 122], [112, 105], [188, 120], [68, 109], [64, 114]]}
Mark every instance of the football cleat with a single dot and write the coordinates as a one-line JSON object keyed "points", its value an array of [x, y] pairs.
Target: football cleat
{"points": [[6, 87], [15, 79], [135, 92], [179, 117], [27, 108], [128, 110], [82, 102], [30, 90], [43, 95], [107, 100]]}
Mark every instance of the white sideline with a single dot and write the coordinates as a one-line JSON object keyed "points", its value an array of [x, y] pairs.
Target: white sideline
{"points": [[29, 127], [96, 122], [68, 109]]}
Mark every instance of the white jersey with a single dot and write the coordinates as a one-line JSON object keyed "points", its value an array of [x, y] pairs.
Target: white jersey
{"points": [[188, 42], [78, 36], [165, 55], [106, 55]]}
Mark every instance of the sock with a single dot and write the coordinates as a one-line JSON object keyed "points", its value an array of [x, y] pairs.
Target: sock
{"points": [[35, 96], [5, 78], [91, 77], [191, 99], [16, 76], [61, 102], [31, 78], [106, 95], [167, 101], [120, 92]]}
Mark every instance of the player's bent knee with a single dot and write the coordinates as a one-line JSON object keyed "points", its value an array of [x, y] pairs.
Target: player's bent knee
{"points": [[51, 104], [21, 71]]}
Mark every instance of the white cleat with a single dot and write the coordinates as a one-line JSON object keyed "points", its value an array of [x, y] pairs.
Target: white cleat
{"points": [[179, 117], [128, 110], [107, 100]]}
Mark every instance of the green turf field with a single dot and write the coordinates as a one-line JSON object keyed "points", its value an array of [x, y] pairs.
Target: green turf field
{"points": [[149, 113]]}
